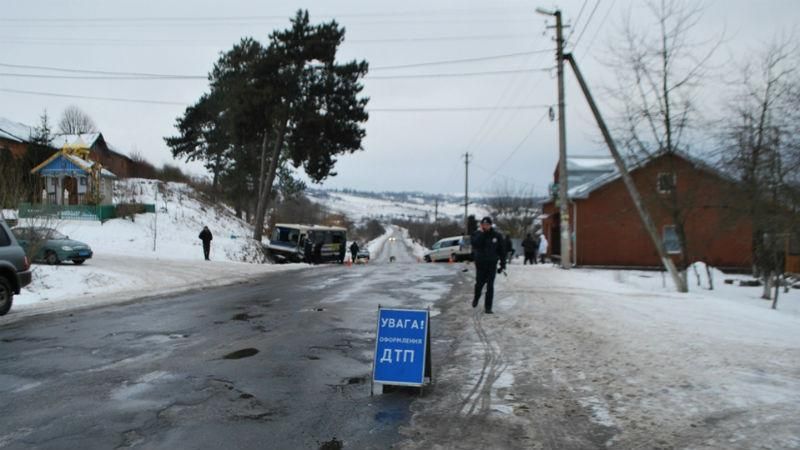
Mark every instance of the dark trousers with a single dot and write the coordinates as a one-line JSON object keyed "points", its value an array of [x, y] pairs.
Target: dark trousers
{"points": [[206, 248], [530, 257], [484, 276]]}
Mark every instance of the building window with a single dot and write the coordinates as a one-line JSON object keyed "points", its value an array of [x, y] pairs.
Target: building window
{"points": [[54, 182], [670, 238], [666, 182], [83, 181]]}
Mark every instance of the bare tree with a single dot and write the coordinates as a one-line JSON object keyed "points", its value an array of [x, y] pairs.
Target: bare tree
{"points": [[760, 147], [659, 71], [514, 209], [75, 121]]}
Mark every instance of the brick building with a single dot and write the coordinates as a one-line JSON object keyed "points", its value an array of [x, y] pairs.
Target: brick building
{"points": [[606, 227]]}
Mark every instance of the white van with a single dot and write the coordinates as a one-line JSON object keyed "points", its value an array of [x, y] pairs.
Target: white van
{"points": [[457, 248]]}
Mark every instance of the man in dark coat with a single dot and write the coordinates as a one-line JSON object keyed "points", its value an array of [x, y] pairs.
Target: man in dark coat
{"points": [[488, 248], [354, 251], [529, 245], [206, 237]]}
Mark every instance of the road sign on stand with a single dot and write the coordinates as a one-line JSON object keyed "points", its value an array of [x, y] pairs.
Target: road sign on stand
{"points": [[402, 347]]}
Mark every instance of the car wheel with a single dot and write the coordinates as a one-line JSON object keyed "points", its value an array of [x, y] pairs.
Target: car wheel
{"points": [[427, 259], [51, 258], [78, 262], [6, 296]]}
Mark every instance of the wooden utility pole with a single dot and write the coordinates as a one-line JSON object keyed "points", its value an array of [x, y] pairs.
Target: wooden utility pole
{"points": [[647, 221], [563, 201]]}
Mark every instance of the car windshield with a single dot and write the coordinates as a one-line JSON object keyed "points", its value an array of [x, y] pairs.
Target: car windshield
{"points": [[49, 233]]}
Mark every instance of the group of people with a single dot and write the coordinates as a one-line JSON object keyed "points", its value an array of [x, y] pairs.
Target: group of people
{"points": [[535, 248], [490, 248]]}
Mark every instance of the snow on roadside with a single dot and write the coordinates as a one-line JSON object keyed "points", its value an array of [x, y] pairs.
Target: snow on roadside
{"points": [[612, 358], [112, 279]]}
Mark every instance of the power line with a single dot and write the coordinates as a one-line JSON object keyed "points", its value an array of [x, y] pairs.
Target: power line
{"points": [[459, 61], [577, 20], [460, 108], [191, 77], [88, 97], [588, 21], [177, 76], [198, 42], [97, 72], [518, 146], [407, 13], [461, 74], [600, 27], [172, 103]]}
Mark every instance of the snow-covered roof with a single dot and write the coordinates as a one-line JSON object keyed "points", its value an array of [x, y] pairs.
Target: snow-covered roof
{"points": [[88, 139], [15, 131], [73, 162], [582, 191]]}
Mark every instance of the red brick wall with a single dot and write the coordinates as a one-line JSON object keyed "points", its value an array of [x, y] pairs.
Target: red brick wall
{"points": [[17, 149], [610, 233]]}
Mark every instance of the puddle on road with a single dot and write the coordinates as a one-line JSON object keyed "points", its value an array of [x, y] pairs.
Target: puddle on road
{"points": [[243, 353], [333, 444], [246, 316]]}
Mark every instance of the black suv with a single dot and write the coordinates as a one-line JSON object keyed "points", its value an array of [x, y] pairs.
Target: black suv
{"points": [[15, 269]]}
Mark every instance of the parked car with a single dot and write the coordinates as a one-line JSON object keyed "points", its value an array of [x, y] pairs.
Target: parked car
{"points": [[15, 270], [456, 248], [50, 246], [362, 256]]}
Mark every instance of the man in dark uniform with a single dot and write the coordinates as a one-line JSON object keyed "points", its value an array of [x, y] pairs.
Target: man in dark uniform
{"points": [[206, 237], [488, 248], [354, 251]]}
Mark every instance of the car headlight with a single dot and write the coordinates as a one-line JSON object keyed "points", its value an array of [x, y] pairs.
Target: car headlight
{"points": [[66, 248]]}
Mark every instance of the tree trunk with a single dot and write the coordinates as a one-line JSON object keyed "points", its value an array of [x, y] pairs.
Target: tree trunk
{"points": [[777, 290], [767, 285], [265, 191], [262, 172], [710, 278]]}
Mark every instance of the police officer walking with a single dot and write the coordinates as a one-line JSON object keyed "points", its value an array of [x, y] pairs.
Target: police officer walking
{"points": [[488, 248]]}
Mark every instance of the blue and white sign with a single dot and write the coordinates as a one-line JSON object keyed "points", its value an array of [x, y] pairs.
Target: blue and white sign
{"points": [[400, 347]]}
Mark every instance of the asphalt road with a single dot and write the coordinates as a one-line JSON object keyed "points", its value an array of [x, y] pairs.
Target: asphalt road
{"points": [[281, 362]]}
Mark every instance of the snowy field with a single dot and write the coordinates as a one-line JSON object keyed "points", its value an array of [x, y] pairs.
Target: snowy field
{"points": [[358, 207], [600, 358]]}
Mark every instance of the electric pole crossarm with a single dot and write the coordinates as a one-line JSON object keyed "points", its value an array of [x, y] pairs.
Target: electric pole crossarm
{"points": [[647, 221]]}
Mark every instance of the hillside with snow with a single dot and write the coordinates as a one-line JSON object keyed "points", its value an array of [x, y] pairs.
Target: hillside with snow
{"points": [[146, 254], [388, 206]]}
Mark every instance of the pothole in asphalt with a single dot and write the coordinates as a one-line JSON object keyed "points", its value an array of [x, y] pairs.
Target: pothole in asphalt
{"points": [[356, 380], [312, 357], [333, 444], [246, 316], [243, 353]]}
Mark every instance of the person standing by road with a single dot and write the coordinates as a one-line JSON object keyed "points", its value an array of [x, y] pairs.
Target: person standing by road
{"points": [[206, 237], [354, 251], [542, 247], [488, 248], [529, 246]]}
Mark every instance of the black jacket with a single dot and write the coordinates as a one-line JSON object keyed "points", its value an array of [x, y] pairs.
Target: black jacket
{"points": [[354, 248], [530, 245], [205, 235], [489, 248]]}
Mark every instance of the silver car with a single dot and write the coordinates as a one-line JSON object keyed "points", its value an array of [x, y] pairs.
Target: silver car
{"points": [[15, 269]]}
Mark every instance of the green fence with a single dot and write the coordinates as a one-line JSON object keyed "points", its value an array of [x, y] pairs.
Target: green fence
{"points": [[81, 212]]}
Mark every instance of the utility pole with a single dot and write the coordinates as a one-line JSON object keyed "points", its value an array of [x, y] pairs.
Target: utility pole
{"points": [[436, 212], [566, 235], [647, 221], [466, 191]]}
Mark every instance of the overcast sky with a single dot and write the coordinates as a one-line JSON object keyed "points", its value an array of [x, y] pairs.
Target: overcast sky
{"points": [[404, 150]]}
